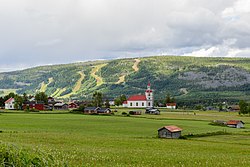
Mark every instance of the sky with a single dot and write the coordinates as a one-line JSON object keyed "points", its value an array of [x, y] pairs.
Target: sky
{"points": [[41, 32]]}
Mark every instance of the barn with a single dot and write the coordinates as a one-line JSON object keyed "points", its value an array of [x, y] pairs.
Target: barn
{"points": [[235, 124], [169, 132]]}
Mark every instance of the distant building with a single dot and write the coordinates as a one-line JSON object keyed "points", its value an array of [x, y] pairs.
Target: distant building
{"points": [[153, 111], [33, 105], [169, 132], [90, 110], [140, 101], [51, 100], [234, 108], [171, 105], [72, 105], [96, 110], [9, 104], [61, 106], [135, 112], [103, 111], [235, 124]]}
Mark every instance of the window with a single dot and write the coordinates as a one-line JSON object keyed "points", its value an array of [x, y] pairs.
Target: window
{"points": [[136, 103], [149, 104], [149, 94], [130, 104], [142, 104]]}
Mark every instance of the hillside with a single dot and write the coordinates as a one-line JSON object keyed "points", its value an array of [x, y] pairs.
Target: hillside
{"points": [[185, 78]]}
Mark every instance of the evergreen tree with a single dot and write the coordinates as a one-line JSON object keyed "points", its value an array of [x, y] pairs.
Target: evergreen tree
{"points": [[107, 105], [243, 107], [168, 99], [41, 97], [18, 102], [97, 99]]}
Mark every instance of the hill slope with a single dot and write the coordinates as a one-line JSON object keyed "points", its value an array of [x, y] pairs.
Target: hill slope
{"points": [[186, 78]]}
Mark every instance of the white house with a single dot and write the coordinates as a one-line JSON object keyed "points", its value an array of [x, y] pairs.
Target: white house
{"points": [[140, 101], [171, 105], [9, 104]]}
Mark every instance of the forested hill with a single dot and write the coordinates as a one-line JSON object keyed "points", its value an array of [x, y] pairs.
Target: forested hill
{"points": [[186, 78]]}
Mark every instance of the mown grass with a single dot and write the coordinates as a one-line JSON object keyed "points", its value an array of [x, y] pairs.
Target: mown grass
{"points": [[89, 140]]}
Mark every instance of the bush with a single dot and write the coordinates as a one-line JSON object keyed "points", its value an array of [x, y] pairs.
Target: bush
{"points": [[76, 111], [124, 113], [34, 110]]}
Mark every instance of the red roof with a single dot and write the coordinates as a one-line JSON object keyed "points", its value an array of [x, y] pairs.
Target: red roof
{"points": [[171, 104], [234, 122], [149, 91], [9, 100], [172, 128], [137, 98], [125, 102]]}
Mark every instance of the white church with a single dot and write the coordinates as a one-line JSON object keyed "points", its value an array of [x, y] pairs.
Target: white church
{"points": [[141, 101]]}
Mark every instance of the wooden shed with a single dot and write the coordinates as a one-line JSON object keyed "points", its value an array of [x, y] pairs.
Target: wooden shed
{"points": [[169, 132], [235, 124]]}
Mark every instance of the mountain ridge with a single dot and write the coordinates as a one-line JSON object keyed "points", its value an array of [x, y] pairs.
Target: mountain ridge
{"points": [[185, 78]]}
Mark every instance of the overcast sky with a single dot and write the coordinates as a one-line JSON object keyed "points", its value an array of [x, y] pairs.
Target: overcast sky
{"points": [[38, 32]]}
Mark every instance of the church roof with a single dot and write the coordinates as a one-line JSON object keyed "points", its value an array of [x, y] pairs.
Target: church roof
{"points": [[137, 98]]}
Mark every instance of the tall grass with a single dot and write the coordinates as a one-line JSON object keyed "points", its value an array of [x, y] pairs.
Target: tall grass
{"points": [[11, 155]]}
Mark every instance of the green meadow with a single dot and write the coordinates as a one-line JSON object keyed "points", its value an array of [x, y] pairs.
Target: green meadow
{"points": [[92, 140]]}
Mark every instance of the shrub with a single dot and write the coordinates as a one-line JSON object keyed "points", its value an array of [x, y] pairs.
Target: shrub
{"points": [[34, 110]]}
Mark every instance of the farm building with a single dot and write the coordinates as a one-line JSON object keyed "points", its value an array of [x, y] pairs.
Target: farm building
{"points": [[169, 132], [96, 110], [135, 112], [171, 105], [33, 105], [9, 104], [60, 106], [152, 111], [90, 110], [234, 108], [72, 105], [103, 111], [235, 124]]}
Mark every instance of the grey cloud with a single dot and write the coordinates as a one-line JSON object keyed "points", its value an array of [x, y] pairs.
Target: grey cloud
{"points": [[45, 31]]}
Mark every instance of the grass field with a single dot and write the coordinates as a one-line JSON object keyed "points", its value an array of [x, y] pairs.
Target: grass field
{"points": [[90, 140]]}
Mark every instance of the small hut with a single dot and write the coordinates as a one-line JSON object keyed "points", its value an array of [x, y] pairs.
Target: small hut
{"points": [[169, 132], [235, 124]]}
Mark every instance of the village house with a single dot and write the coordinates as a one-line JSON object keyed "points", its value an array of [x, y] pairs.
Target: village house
{"points": [[154, 111], [171, 105], [61, 106], [96, 110], [140, 101], [235, 124], [169, 132], [234, 108], [135, 112], [51, 100], [33, 105], [72, 105], [104, 111], [9, 104], [90, 110]]}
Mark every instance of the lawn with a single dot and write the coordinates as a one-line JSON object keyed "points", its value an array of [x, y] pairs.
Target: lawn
{"points": [[90, 140]]}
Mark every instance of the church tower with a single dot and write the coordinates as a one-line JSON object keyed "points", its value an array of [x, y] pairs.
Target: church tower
{"points": [[149, 96]]}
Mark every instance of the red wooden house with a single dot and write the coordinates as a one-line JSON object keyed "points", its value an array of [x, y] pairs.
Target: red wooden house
{"points": [[72, 105]]}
